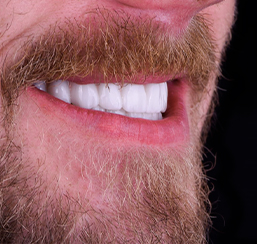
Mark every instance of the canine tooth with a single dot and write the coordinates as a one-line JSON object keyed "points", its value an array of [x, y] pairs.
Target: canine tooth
{"points": [[84, 96], [41, 85], [157, 95], [163, 96], [110, 97], [60, 89], [134, 98]]}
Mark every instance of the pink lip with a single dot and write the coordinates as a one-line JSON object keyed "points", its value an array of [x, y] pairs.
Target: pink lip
{"points": [[173, 129]]}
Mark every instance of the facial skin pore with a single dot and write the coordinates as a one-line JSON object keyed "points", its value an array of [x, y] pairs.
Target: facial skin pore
{"points": [[75, 175]]}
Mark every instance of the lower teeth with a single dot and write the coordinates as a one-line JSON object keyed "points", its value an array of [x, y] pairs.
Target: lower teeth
{"points": [[148, 116]]}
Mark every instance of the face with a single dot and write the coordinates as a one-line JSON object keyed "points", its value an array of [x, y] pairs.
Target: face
{"points": [[103, 107]]}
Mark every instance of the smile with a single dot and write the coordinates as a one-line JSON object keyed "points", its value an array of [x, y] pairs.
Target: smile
{"points": [[151, 114], [147, 101]]}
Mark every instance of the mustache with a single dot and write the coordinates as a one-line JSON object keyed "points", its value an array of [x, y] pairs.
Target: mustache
{"points": [[111, 45]]}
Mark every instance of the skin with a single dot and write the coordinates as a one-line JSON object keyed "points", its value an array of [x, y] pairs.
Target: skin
{"points": [[53, 146]]}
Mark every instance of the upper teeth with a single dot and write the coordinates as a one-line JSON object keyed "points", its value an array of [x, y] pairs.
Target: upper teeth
{"points": [[141, 101]]}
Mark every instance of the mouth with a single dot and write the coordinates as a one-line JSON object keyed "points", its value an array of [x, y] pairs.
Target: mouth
{"points": [[146, 101], [149, 113]]}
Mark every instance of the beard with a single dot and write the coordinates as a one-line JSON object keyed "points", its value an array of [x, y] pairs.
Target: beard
{"points": [[141, 194], [146, 196]]}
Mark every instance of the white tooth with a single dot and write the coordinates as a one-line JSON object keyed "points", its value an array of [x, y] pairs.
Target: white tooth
{"points": [[153, 116], [41, 85], [134, 98], [110, 97], [157, 95], [84, 96], [98, 108], [60, 89], [136, 115], [120, 112]]}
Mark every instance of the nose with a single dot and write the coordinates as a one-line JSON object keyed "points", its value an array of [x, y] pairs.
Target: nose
{"points": [[190, 6]]}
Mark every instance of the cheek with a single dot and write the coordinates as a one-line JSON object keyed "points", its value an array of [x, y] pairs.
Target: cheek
{"points": [[221, 17], [206, 102], [199, 107]]}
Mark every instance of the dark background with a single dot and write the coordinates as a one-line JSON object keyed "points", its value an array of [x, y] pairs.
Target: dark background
{"points": [[233, 138]]}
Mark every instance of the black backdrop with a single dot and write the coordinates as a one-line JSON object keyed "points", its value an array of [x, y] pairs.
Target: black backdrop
{"points": [[233, 138]]}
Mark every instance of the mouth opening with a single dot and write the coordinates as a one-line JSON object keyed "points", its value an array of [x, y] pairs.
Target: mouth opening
{"points": [[147, 101]]}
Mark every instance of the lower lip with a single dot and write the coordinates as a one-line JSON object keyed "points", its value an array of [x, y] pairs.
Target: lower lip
{"points": [[173, 129]]}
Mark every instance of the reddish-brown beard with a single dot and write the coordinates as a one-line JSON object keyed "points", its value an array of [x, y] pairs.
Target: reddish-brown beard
{"points": [[156, 196]]}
